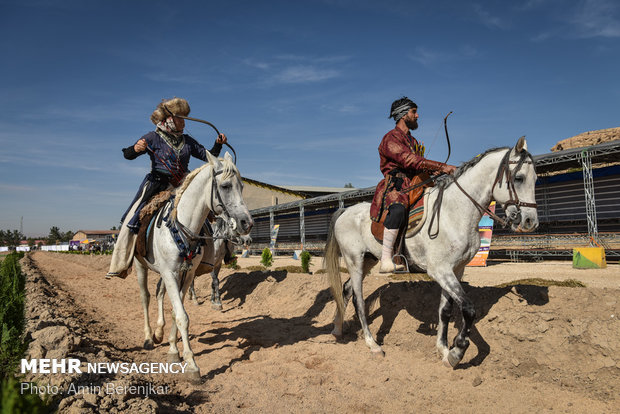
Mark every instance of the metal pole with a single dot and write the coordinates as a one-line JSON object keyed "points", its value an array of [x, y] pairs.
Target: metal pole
{"points": [[302, 226], [588, 188], [270, 225]]}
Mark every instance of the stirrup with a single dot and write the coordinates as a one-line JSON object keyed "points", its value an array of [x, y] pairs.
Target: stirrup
{"points": [[406, 269]]}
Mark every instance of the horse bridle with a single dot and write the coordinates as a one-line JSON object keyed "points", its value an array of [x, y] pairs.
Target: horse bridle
{"points": [[214, 194], [513, 199], [504, 170]]}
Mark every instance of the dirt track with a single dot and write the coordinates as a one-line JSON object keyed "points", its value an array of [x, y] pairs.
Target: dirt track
{"points": [[535, 349]]}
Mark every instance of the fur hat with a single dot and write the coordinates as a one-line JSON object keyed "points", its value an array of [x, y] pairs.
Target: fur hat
{"points": [[178, 106]]}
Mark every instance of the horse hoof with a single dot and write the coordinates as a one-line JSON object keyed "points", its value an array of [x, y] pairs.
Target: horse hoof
{"points": [[173, 358], [148, 344], [216, 306], [377, 353], [194, 377], [452, 359], [157, 338]]}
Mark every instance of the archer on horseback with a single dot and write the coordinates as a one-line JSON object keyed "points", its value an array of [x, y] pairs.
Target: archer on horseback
{"points": [[170, 151], [401, 159]]}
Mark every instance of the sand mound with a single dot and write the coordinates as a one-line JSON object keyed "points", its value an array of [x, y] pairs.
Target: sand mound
{"points": [[588, 139]]}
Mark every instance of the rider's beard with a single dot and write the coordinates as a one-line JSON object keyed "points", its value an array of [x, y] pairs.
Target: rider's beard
{"points": [[412, 124]]}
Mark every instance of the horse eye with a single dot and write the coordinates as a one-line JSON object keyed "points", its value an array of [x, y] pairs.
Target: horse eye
{"points": [[227, 186], [519, 179]]}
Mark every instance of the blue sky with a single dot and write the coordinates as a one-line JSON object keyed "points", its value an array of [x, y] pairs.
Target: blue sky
{"points": [[301, 88]]}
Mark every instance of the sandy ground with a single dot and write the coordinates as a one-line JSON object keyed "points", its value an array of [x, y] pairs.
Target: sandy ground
{"points": [[534, 349]]}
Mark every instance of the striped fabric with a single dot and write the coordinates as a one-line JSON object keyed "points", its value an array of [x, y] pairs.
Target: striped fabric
{"points": [[416, 213]]}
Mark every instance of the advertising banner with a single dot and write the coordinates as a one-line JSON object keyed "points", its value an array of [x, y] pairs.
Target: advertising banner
{"points": [[485, 227], [274, 236]]}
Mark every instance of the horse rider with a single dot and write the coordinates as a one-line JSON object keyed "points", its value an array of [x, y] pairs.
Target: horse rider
{"points": [[401, 158], [170, 151]]}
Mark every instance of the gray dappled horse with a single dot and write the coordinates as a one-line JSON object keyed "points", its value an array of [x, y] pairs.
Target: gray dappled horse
{"points": [[215, 186], [225, 238], [442, 250]]}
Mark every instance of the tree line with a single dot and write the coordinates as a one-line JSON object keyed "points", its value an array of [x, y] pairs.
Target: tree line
{"points": [[14, 237]]}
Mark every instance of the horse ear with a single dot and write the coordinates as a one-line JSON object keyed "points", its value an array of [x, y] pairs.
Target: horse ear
{"points": [[521, 145], [228, 157], [211, 159]]}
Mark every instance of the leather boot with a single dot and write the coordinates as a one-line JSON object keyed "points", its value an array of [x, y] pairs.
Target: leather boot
{"points": [[387, 265]]}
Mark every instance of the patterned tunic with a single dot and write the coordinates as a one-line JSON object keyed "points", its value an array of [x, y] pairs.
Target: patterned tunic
{"points": [[168, 161], [400, 157]]}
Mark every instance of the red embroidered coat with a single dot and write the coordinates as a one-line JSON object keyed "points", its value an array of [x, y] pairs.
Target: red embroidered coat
{"points": [[400, 158]]}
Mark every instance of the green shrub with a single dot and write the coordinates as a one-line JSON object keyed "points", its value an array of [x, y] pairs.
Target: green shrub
{"points": [[12, 344], [13, 401], [12, 318], [305, 261], [266, 258]]}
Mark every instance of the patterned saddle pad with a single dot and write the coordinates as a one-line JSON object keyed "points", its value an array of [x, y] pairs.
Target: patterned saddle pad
{"points": [[146, 217], [416, 216]]}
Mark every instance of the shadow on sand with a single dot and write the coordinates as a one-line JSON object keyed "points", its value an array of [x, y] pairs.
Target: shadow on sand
{"points": [[420, 299]]}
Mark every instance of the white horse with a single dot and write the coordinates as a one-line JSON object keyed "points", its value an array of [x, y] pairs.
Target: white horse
{"points": [[225, 237], [216, 186], [443, 246]]}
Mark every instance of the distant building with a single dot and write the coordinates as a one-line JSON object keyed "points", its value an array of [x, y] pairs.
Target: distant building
{"points": [[100, 235], [257, 194], [313, 191]]}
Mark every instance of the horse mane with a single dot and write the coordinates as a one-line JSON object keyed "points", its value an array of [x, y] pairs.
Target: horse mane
{"points": [[445, 180], [229, 169]]}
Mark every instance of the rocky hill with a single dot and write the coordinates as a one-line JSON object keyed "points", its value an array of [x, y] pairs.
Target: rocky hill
{"points": [[588, 138]]}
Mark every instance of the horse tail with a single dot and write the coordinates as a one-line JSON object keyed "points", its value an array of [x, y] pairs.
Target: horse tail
{"points": [[332, 263]]}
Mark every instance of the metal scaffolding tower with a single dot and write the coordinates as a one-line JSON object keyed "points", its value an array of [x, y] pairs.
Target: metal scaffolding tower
{"points": [[302, 226], [588, 186]]}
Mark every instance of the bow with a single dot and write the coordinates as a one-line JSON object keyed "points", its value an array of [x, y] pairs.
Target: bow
{"points": [[212, 126], [445, 127]]}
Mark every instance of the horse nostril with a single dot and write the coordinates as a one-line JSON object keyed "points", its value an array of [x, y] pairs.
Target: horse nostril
{"points": [[246, 225], [529, 223]]}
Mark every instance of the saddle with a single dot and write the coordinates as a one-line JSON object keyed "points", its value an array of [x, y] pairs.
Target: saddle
{"points": [[146, 217], [417, 197]]}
